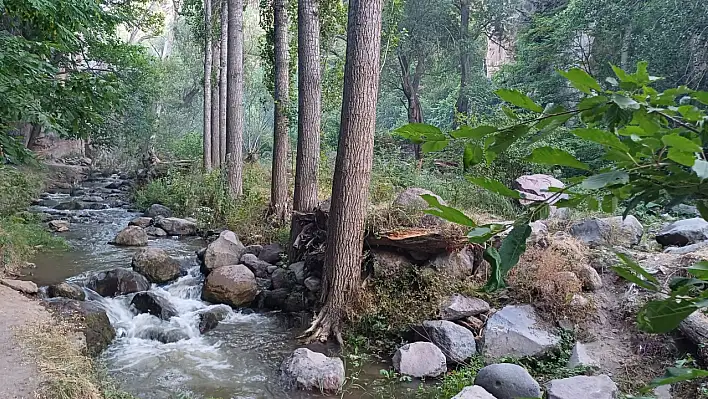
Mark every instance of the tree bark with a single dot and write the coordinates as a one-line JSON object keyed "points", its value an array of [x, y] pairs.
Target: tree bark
{"points": [[410, 83], [215, 105], [234, 112], [345, 232], [463, 103], [279, 183], [207, 85], [222, 81]]}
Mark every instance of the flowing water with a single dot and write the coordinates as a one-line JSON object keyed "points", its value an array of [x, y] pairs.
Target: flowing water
{"points": [[238, 359]]}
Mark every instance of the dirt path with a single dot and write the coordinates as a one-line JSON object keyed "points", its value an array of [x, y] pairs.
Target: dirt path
{"points": [[20, 377]]}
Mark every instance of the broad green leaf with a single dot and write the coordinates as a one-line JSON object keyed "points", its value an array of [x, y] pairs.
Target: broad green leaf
{"points": [[700, 96], [519, 99], [601, 137], [482, 234], [609, 203], [699, 270], [434, 146], [513, 246], [621, 74], [625, 102], [680, 157], [665, 315], [593, 204], [496, 279], [494, 186], [701, 169], [632, 130], [680, 143], [648, 122], [602, 180], [592, 102], [504, 139], [509, 112], [420, 132], [633, 272], [448, 213], [677, 374], [690, 113], [552, 122], [554, 156], [703, 209], [581, 80], [479, 132], [473, 155]]}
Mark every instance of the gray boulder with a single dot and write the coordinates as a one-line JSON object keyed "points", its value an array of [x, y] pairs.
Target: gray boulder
{"points": [[283, 278], [580, 357], [89, 319], [271, 253], [254, 249], [580, 387], [154, 231], [158, 210], [234, 285], [313, 284], [588, 276], [608, 231], [156, 265], [225, 250], [117, 282], [151, 303], [131, 236], [23, 286], [687, 249], [298, 268], [313, 371], [683, 232], [141, 221], [66, 290], [515, 331], [474, 392], [258, 267], [411, 198], [455, 341], [420, 360], [536, 188], [177, 226], [59, 226], [456, 263], [508, 381], [160, 334], [458, 307], [210, 318]]}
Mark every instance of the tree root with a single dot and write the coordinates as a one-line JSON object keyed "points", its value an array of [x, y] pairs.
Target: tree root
{"points": [[325, 325]]}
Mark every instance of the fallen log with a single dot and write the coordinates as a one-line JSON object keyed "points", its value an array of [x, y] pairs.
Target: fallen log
{"points": [[415, 239], [695, 328]]}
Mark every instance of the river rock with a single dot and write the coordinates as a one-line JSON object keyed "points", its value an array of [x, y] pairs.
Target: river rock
{"points": [[210, 318], [683, 232], [66, 290], [580, 387], [411, 198], [151, 303], [160, 334], [25, 287], [153, 231], [133, 236], [156, 265], [283, 278], [456, 263], [420, 360], [271, 253], [580, 357], [313, 284], [508, 381], [309, 370], [254, 249], [536, 188], [225, 250], [59, 226], [299, 269], [474, 392], [608, 231], [258, 267], [117, 282], [158, 210], [234, 285], [141, 222], [177, 226], [458, 307], [515, 331], [455, 341], [92, 322], [588, 276]]}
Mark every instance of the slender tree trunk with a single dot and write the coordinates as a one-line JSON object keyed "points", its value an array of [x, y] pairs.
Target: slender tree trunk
{"points": [[34, 132], [234, 112], [279, 183], [345, 233], [222, 81], [624, 50], [410, 83], [215, 105], [463, 102], [207, 85]]}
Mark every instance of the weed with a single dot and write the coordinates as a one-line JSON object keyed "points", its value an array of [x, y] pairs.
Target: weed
{"points": [[453, 382]]}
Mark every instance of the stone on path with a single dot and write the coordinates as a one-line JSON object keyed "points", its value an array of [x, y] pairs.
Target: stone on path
{"points": [[234, 285], [158, 210], [225, 250], [25, 287], [116, 282], [508, 381], [515, 331], [608, 231], [581, 387], [313, 371], [177, 226], [299, 269], [151, 303], [131, 236], [156, 265], [458, 307], [66, 290], [683, 232], [420, 360], [580, 357], [456, 342], [474, 392], [59, 226], [411, 198]]}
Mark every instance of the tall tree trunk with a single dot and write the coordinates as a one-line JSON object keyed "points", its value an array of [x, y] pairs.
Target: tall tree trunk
{"points": [[463, 101], [222, 81], [34, 132], [345, 233], [279, 183], [234, 111], [410, 83], [215, 105], [207, 85]]}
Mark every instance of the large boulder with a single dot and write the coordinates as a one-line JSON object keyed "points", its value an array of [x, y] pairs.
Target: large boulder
{"points": [[515, 331], [536, 188], [458, 307], [257, 266], [508, 381], [298, 268], [156, 265], [474, 392], [411, 198], [131, 236], [158, 210], [151, 303], [309, 370], [608, 231], [177, 226], [23, 286], [283, 278], [89, 319], [66, 290], [234, 285], [683, 232], [283, 299], [271, 253], [225, 250], [456, 342], [210, 318], [456, 263], [141, 221], [595, 387], [117, 282], [420, 360]]}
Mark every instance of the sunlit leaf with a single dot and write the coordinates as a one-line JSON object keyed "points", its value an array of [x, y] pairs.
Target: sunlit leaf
{"points": [[700, 96], [602, 180], [581, 80], [680, 143], [434, 146], [482, 234], [680, 157], [625, 102], [678, 374], [601, 137], [448, 213], [519, 99], [699, 270], [473, 155], [554, 156], [479, 132], [494, 186], [665, 315]]}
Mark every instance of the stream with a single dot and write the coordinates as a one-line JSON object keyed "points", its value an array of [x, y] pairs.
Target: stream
{"points": [[239, 359]]}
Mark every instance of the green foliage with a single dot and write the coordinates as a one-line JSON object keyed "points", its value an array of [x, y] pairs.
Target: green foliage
{"points": [[453, 382]]}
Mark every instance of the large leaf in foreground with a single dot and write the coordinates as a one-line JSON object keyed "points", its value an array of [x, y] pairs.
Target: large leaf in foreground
{"points": [[513, 247], [448, 213], [494, 186], [519, 99], [496, 279], [664, 315], [677, 374], [554, 156]]}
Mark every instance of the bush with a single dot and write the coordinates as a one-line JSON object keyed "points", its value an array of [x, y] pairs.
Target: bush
{"points": [[18, 187]]}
